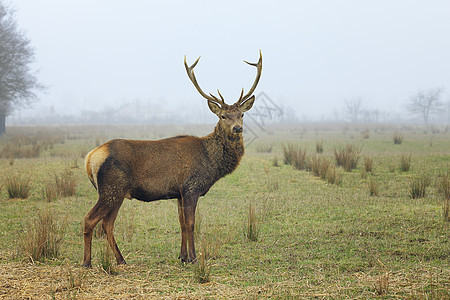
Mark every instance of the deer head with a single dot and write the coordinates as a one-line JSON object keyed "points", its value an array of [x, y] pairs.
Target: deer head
{"points": [[230, 116]]}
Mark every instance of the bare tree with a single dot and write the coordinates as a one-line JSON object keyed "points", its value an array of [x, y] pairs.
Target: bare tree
{"points": [[353, 109], [18, 82], [425, 103]]}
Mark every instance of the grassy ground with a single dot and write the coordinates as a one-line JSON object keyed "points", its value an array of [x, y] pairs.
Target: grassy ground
{"points": [[314, 239]]}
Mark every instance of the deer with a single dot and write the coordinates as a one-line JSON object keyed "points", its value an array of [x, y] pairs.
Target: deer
{"points": [[180, 167]]}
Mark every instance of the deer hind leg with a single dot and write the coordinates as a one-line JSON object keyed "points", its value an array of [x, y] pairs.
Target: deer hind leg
{"points": [[108, 226], [183, 252], [98, 212]]}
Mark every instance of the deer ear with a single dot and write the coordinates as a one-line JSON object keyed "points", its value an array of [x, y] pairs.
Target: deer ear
{"points": [[247, 104], [214, 107]]}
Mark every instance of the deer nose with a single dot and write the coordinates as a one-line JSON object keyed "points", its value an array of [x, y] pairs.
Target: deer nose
{"points": [[237, 129]]}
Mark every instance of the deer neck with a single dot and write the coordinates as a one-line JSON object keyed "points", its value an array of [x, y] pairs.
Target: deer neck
{"points": [[224, 151]]}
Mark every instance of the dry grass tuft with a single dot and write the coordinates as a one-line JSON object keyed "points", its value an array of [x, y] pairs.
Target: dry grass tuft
{"points": [[263, 148], [335, 175], [372, 185], [294, 156], [107, 259], [446, 210], [50, 191], [252, 231], [202, 267], [275, 162], [382, 284], [319, 146], [444, 185], [398, 138], [320, 166], [444, 189], [42, 238], [418, 185], [99, 231], [65, 183], [273, 184], [405, 162], [18, 186], [368, 164], [347, 157]]}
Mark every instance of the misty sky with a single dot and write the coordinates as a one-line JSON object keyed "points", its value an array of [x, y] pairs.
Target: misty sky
{"points": [[316, 54]]}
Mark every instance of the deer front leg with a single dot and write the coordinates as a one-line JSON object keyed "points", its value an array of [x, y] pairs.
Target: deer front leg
{"points": [[183, 252], [190, 204]]}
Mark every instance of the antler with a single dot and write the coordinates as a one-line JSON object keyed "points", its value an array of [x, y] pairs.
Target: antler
{"points": [[191, 75], [258, 66]]}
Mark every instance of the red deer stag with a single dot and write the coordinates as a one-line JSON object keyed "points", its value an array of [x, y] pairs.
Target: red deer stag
{"points": [[182, 167]]}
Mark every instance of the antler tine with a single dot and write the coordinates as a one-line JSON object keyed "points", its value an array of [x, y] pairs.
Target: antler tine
{"points": [[191, 75], [258, 65], [220, 96]]}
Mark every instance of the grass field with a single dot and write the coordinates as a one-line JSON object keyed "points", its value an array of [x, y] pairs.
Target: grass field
{"points": [[266, 231]]}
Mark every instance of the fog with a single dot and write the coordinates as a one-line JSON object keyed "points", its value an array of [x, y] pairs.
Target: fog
{"points": [[102, 55]]}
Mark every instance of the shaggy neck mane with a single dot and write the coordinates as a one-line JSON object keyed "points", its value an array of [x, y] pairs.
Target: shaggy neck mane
{"points": [[225, 152]]}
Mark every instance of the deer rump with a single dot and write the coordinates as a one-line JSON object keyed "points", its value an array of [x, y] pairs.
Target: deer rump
{"points": [[151, 170]]}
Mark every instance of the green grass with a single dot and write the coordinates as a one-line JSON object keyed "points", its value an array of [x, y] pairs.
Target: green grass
{"points": [[315, 239]]}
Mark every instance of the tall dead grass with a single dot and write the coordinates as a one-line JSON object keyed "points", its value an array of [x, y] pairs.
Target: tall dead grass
{"points": [[347, 156], [42, 238], [405, 162], [252, 231], [418, 186], [18, 186], [444, 189], [295, 156], [65, 183]]}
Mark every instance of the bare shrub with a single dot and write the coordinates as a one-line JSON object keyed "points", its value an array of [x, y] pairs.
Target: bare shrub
{"points": [[347, 157], [42, 238], [418, 185], [405, 162], [18, 186]]}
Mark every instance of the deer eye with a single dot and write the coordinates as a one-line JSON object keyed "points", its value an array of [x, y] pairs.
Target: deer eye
{"points": [[222, 117], [242, 115]]}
